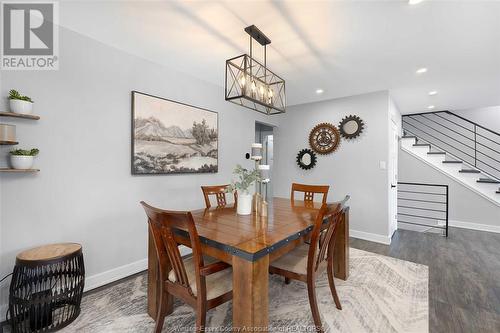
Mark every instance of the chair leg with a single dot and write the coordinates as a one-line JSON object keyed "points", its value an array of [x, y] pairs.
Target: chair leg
{"points": [[332, 287], [311, 290], [201, 317], [287, 280], [162, 311]]}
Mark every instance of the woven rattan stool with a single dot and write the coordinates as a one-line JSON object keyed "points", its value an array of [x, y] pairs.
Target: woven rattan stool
{"points": [[46, 288]]}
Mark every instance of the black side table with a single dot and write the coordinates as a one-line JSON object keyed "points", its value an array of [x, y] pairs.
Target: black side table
{"points": [[46, 288]]}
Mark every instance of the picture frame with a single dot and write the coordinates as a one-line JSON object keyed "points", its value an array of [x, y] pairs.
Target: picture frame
{"points": [[170, 137]]}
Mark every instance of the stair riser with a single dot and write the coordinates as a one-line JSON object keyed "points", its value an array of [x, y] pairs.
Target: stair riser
{"points": [[468, 179]]}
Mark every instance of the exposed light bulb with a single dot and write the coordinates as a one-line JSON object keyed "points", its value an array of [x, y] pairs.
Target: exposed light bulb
{"points": [[270, 96], [253, 88], [243, 80]]}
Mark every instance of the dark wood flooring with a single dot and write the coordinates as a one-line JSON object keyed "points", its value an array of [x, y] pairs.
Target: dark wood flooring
{"points": [[464, 275]]}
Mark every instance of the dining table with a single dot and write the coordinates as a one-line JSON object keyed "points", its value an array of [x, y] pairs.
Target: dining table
{"points": [[249, 243]]}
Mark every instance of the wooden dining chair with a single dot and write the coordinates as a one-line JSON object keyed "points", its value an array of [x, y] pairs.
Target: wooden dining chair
{"points": [[309, 191], [219, 191], [307, 260], [202, 282]]}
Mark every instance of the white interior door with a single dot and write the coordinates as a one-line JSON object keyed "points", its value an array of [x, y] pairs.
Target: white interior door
{"points": [[393, 178]]}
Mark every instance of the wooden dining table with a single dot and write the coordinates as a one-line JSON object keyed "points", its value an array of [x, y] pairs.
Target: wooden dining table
{"points": [[250, 243]]}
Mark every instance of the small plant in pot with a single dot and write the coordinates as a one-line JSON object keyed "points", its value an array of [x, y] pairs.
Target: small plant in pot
{"points": [[242, 185], [19, 103], [23, 159]]}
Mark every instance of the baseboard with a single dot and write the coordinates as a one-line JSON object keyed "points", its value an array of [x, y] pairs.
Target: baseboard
{"points": [[112, 275], [115, 274], [474, 226], [370, 237]]}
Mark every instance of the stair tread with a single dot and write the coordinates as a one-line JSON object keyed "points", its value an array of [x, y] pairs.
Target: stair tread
{"points": [[452, 162], [436, 153], [409, 137], [488, 180], [469, 171], [421, 144]]}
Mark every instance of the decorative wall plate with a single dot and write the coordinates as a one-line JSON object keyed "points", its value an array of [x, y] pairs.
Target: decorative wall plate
{"points": [[351, 127], [306, 159], [324, 138]]}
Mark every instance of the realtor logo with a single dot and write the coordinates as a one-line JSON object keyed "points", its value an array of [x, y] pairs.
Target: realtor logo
{"points": [[29, 35]]}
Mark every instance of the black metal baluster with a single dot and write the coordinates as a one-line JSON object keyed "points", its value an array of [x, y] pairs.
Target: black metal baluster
{"points": [[447, 204], [475, 145]]}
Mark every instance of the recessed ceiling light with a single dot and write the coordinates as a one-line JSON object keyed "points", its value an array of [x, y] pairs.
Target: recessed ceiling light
{"points": [[319, 91], [422, 70], [414, 2], [430, 107], [432, 93]]}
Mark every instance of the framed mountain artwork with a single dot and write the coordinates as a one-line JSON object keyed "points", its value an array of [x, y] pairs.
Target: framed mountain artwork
{"points": [[169, 137]]}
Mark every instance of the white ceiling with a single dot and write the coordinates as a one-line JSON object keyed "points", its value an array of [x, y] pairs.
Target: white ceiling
{"points": [[343, 47]]}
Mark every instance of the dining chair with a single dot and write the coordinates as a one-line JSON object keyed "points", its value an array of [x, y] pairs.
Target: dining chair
{"points": [[201, 282], [306, 261], [220, 194], [309, 191]]}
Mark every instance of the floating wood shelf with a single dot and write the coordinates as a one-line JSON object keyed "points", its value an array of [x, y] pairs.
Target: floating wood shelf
{"points": [[4, 143], [19, 115], [18, 170]]}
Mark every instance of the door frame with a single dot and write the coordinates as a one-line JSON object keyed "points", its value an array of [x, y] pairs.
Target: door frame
{"points": [[394, 137]]}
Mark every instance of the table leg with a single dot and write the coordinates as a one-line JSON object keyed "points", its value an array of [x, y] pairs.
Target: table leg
{"points": [[251, 294], [154, 281], [341, 252]]}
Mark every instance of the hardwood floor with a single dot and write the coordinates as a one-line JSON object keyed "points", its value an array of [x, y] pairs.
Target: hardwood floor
{"points": [[464, 275]]}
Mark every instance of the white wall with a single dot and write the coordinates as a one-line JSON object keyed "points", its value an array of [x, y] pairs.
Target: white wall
{"points": [[85, 192], [466, 208], [353, 169], [488, 117]]}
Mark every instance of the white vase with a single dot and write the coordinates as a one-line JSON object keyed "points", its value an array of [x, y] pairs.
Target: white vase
{"points": [[244, 206], [18, 106], [21, 162]]}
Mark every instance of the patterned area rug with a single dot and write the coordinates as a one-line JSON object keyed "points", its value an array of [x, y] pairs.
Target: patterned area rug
{"points": [[382, 294]]}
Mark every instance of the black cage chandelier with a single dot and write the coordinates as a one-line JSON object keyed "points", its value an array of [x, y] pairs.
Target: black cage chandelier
{"points": [[253, 85]]}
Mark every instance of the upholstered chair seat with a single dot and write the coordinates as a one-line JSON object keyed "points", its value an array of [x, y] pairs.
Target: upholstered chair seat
{"points": [[217, 284], [294, 261]]}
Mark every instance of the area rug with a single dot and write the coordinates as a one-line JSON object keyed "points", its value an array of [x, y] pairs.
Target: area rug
{"points": [[382, 294]]}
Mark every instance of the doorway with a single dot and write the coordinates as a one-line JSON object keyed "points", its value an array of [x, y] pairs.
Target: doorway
{"points": [[264, 134]]}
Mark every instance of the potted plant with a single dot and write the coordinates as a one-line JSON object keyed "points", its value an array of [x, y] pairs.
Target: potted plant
{"points": [[245, 179], [20, 103], [22, 159]]}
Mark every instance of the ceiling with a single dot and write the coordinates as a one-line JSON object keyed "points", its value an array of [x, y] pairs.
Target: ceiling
{"points": [[343, 47]]}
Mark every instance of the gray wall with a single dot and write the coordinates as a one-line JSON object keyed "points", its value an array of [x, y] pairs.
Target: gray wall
{"points": [[85, 192], [464, 205], [354, 169]]}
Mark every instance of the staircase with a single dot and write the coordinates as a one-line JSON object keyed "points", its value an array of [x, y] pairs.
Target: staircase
{"points": [[458, 147]]}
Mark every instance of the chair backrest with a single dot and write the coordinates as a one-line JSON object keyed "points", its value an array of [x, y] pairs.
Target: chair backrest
{"points": [[323, 234], [219, 191], [162, 224], [309, 191]]}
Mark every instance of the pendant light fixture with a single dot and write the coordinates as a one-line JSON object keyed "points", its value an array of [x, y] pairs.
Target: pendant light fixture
{"points": [[251, 84]]}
